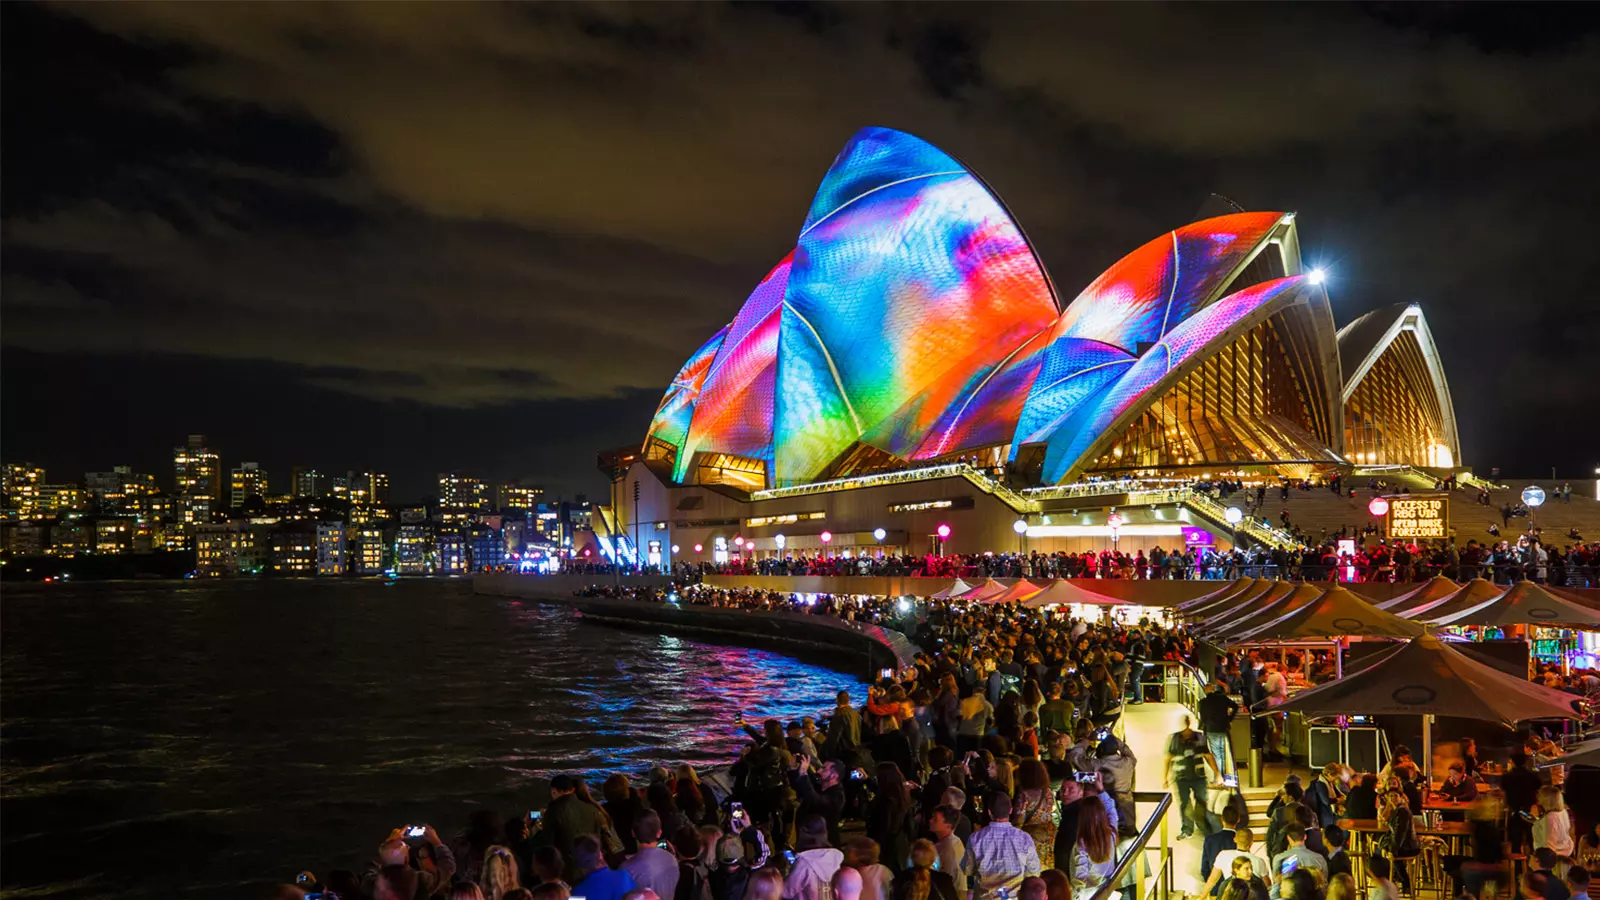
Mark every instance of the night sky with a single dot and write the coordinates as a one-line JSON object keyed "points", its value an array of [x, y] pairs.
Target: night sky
{"points": [[415, 237]]}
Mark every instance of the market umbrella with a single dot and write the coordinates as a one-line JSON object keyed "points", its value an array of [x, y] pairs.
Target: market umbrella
{"points": [[1337, 613], [1018, 592], [1472, 594], [956, 589], [1300, 593], [1260, 597], [988, 588], [1426, 676], [1436, 588], [1062, 592], [1215, 599], [1525, 604]]}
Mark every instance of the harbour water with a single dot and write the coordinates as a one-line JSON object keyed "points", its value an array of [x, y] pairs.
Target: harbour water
{"points": [[202, 739]]}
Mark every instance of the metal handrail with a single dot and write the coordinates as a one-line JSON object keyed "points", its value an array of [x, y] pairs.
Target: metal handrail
{"points": [[1135, 852]]}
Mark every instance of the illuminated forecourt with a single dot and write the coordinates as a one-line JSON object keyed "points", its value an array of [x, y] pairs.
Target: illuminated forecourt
{"points": [[912, 324]]}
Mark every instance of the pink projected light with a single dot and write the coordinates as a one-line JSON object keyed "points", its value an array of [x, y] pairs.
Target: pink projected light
{"points": [[1149, 291]]}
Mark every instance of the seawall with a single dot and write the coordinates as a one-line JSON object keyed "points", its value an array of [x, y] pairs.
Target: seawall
{"points": [[858, 648]]}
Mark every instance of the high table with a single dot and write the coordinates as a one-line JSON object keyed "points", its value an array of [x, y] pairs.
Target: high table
{"points": [[1455, 835]]}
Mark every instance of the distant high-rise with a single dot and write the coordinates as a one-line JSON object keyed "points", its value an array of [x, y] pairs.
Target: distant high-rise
{"points": [[369, 488], [514, 495], [332, 546], [306, 483], [198, 476], [461, 497], [120, 490], [249, 480], [22, 482]]}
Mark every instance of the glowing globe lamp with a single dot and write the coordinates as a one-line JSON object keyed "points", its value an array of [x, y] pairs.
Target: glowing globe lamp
{"points": [[1378, 507], [943, 531], [827, 537], [1234, 515], [1533, 495]]}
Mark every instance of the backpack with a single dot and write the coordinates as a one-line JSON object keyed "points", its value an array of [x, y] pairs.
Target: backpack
{"points": [[694, 882], [766, 772]]}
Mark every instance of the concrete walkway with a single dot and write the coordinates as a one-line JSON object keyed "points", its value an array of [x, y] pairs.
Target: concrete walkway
{"points": [[1147, 727]]}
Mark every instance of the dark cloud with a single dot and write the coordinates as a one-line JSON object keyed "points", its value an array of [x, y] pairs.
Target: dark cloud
{"points": [[477, 210]]}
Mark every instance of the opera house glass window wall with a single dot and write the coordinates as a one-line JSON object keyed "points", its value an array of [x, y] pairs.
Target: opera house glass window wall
{"points": [[912, 323]]}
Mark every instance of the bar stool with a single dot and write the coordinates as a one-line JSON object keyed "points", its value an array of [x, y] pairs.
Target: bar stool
{"points": [[1430, 868]]}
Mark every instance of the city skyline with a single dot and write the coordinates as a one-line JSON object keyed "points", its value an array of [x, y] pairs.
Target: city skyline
{"points": [[211, 225]]}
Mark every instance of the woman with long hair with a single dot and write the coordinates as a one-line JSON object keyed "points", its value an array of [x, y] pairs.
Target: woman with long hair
{"points": [[1552, 826], [1032, 697], [765, 883], [889, 819], [465, 890], [1105, 701], [1094, 858], [691, 797], [920, 881], [1036, 807], [623, 804], [499, 873], [1399, 838], [660, 797]]}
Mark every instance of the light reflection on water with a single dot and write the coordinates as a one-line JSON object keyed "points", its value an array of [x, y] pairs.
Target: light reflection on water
{"points": [[164, 739]]}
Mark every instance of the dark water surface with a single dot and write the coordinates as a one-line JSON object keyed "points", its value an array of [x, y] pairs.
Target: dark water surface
{"points": [[204, 740]]}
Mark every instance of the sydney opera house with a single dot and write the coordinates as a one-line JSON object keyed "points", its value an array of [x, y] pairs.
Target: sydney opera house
{"points": [[909, 364]]}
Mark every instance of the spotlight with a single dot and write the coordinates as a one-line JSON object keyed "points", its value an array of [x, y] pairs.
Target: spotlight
{"points": [[1318, 276]]}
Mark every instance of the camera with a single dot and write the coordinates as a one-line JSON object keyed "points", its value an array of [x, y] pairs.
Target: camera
{"points": [[416, 831], [1230, 780], [885, 674], [858, 774], [1086, 777], [1102, 734], [789, 855], [737, 817], [535, 815], [1289, 865]]}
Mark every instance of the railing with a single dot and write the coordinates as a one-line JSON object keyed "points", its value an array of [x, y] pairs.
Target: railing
{"points": [[1135, 855], [979, 480]]}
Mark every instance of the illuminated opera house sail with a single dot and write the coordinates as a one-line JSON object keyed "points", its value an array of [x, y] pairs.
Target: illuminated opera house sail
{"points": [[912, 323]]}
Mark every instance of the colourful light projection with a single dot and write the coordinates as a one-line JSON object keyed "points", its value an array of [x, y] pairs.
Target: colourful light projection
{"points": [[671, 421], [1149, 291], [904, 297], [733, 413], [1197, 333]]}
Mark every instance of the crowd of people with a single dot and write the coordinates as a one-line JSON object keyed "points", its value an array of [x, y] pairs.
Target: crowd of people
{"points": [[993, 767], [941, 784], [1504, 562]]}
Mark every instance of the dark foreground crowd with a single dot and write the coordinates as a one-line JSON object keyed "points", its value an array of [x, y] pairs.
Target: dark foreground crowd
{"points": [[990, 769]]}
